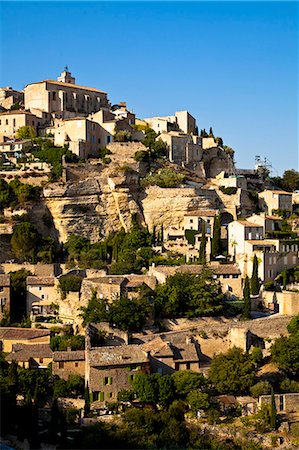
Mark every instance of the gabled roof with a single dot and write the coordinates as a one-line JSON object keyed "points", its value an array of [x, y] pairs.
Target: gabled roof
{"points": [[117, 356], [40, 281], [70, 85], [73, 355], [23, 352], [22, 333]]}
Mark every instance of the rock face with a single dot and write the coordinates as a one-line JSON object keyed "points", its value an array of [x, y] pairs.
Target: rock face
{"points": [[98, 199]]}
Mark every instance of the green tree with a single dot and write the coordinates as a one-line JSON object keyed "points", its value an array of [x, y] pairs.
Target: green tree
{"points": [[188, 295], [232, 372], [293, 326], [95, 311], [186, 381], [203, 245], [128, 314], [216, 240], [146, 388], [247, 302], [290, 180], [260, 388], [198, 400], [273, 413], [86, 401], [285, 353], [26, 132], [255, 282], [166, 390], [211, 134], [24, 241], [70, 283]]}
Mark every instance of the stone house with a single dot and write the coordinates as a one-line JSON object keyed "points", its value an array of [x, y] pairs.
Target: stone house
{"points": [[269, 223], [167, 356], [11, 121], [111, 369], [9, 96], [68, 362], [41, 293], [181, 121], [4, 296], [64, 98], [285, 403], [240, 231], [182, 148], [270, 200], [249, 405], [10, 336], [36, 356], [228, 275]]}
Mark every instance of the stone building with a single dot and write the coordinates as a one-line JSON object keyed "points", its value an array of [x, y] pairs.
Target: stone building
{"points": [[10, 336], [271, 200], [170, 354], [11, 121], [183, 148], [68, 362], [64, 98], [285, 403], [10, 96], [41, 292], [181, 121], [4, 296], [35, 356], [112, 369]]}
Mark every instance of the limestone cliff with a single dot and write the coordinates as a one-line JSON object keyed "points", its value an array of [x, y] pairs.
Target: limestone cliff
{"points": [[99, 199]]}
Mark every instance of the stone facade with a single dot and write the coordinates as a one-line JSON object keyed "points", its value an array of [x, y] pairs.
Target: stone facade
{"points": [[63, 97], [66, 363], [11, 121], [287, 403], [10, 336], [270, 200], [4, 296]]}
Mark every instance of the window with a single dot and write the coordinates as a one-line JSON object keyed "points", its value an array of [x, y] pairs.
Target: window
{"points": [[107, 380], [281, 403], [39, 288], [1, 288], [235, 275], [285, 260], [99, 140], [226, 275], [109, 395], [6, 121], [61, 365], [108, 138], [41, 360], [191, 220], [95, 396], [101, 396], [14, 122], [76, 364], [187, 366], [54, 95], [42, 296]]}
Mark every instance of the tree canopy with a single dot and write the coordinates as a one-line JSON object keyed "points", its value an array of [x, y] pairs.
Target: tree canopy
{"points": [[232, 372]]}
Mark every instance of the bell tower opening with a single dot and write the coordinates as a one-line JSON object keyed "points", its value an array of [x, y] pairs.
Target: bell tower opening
{"points": [[66, 76]]}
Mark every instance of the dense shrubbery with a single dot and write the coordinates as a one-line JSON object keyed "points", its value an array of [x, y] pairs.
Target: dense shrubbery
{"points": [[157, 148], [28, 245], [123, 136], [230, 190], [123, 252], [62, 343], [126, 314], [188, 295], [164, 178], [17, 193], [70, 283]]}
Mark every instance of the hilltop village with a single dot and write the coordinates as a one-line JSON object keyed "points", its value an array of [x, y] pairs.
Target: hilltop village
{"points": [[149, 288]]}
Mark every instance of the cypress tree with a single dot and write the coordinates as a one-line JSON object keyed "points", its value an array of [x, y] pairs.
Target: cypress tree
{"points": [[254, 282], [284, 279], [273, 412], [87, 401], [216, 241], [203, 245], [211, 134], [154, 235], [246, 298]]}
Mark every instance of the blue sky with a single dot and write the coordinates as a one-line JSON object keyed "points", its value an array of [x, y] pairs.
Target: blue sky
{"points": [[233, 65]]}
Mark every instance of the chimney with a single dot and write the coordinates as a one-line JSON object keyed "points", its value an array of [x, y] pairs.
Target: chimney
{"points": [[69, 349]]}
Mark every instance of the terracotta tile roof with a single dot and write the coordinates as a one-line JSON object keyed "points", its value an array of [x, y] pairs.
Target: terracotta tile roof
{"points": [[70, 85], [135, 283], [74, 355], [249, 224], [13, 112], [220, 269], [117, 356], [261, 242], [22, 333], [40, 281], [23, 352], [113, 279], [227, 399], [4, 280], [153, 346], [246, 399], [178, 349], [276, 192]]}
